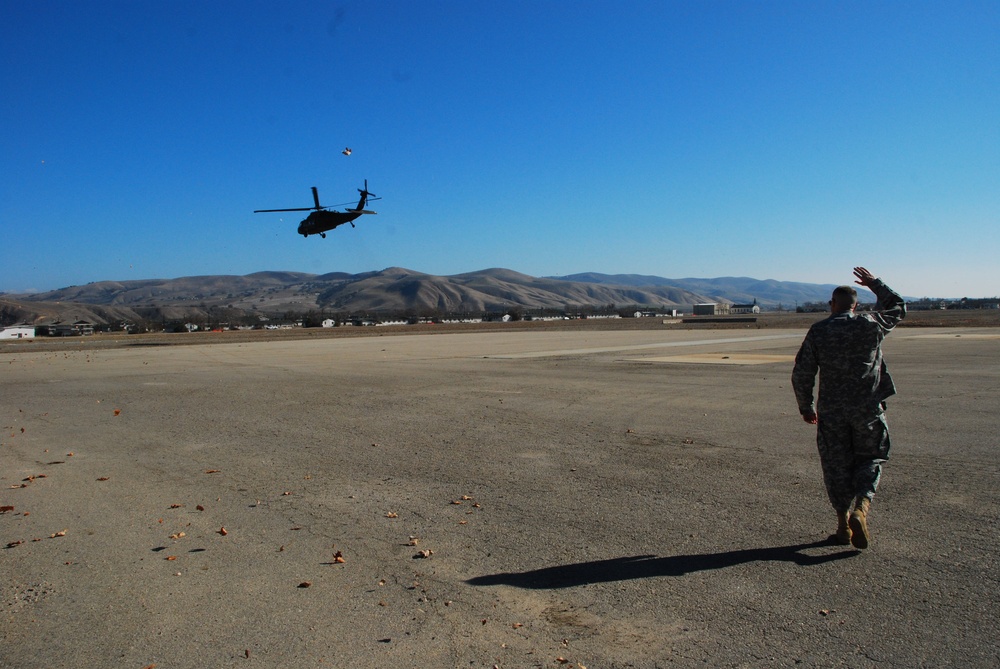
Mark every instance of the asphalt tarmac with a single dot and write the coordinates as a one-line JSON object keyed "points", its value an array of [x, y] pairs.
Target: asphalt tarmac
{"points": [[526, 499]]}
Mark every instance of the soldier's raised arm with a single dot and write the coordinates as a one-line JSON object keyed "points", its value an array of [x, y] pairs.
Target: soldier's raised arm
{"points": [[890, 306]]}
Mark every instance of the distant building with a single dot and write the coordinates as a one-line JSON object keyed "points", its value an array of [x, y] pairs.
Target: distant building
{"points": [[745, 308], [711, 309], [17, 332], [59, 329]]}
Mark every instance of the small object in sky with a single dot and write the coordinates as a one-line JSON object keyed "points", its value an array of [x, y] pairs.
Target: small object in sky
{"points": [[346, 151]]}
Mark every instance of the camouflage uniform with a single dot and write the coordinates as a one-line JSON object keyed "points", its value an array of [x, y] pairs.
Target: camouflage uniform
{"points": [[852, 434]]}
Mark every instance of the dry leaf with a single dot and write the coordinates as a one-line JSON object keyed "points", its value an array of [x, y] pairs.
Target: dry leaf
{"points": [[223, 531], [176, 506], [103, 478], [423, 554], [517, 625], [15, 543], [200, 507], [5, 509], [456, 501], [466, 497], [61, 533], [392, 514], [338, 557], [170, 557], [118, 412], [178, 535], [212, 471], [305, 584]]}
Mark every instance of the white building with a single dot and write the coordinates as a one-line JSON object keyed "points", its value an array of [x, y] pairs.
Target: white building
{"points": [[17, 332], [745, 308]]}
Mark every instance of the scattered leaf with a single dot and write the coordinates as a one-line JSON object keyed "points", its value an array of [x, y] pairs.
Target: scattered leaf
{"points": [[200, 507], [286, 493], [305, 584], [15, 543], [5, 509], [118, 412], [392, 514], [170, 557], [212, 471], [223, 531], [423, 554], [177, 535], [103, 478], [338, 558], [517, 625], [466, 497], [60, 533], [176, 506]]}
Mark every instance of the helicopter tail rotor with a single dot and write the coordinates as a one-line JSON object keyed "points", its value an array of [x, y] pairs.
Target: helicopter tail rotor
{"points": [[367, 195]]}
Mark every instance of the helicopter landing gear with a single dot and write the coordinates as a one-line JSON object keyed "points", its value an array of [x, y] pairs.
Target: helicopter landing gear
{"points": [[323, 235]]}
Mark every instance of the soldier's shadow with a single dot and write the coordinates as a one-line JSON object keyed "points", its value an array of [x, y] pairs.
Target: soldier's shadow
{"points": [[648, 566]]}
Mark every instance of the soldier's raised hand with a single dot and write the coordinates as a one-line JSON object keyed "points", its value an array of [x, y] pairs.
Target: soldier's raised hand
{"points": [[865, 278]]}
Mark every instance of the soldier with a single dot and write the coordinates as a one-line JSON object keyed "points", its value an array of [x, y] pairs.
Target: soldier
{"points": [[852, 435]]}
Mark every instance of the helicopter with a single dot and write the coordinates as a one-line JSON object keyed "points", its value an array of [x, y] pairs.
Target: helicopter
{"points": [[323, 219]]}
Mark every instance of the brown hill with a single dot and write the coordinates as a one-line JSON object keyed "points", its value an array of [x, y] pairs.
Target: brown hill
{"points": [[392, 290]]}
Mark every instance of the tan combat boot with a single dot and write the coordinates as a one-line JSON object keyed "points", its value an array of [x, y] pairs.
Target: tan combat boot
{"points": [[858, 523], [843, 535]]}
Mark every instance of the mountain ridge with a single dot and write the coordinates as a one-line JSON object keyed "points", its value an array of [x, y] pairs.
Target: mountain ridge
{"points": [[398, 290]]}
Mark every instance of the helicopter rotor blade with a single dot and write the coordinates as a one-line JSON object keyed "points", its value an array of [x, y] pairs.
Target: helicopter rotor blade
{"points": [[264, 211], [316, 198]]}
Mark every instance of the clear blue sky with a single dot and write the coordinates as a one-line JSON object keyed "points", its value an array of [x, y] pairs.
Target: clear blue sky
{"points": [[771, 139]]}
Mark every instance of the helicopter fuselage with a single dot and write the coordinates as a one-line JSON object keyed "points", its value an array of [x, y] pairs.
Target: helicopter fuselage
{"points": [[322, 221]]}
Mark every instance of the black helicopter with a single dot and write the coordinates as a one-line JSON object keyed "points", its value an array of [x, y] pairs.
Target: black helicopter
{"points": [[323, 219]]}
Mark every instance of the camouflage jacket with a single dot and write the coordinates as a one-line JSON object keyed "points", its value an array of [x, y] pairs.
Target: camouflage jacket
{"points": [[846, 350]]}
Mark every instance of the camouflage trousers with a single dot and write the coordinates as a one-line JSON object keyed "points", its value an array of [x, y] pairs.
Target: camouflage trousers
{"points": [[852, 450]]}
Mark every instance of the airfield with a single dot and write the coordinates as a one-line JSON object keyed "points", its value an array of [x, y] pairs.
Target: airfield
{"points": [[561, 497]]}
